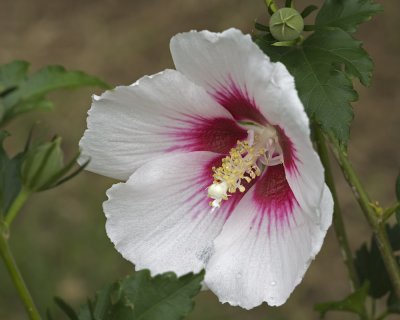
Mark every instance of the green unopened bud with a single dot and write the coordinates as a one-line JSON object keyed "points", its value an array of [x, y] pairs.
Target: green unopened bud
{"points": [[41, 165], [286, 24]]}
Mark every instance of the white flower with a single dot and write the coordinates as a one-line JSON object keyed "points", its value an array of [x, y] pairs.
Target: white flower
{"points": [[220, 170]]}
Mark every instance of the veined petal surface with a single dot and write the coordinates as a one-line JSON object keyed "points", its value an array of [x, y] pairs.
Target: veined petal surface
{"points": [[303, 168], [161, 220], [159, 114], [266, 245], [224, 64]]}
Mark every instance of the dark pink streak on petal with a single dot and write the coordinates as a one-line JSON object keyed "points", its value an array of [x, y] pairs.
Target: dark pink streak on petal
{"points": [[200, 186], [238, 102], [274, 199], [200, 134], [289, 152]]}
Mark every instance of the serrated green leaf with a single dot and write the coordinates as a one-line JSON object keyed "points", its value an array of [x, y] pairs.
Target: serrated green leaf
{"points": [[141, 297], [322, 67], [102, 306], [10, 182], [354, 303], [340, 48], [346, 14], [370, 266], [12, 74]]}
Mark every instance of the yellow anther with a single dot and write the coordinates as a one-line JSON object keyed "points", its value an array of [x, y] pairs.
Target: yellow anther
{"points": [[241, 164]]}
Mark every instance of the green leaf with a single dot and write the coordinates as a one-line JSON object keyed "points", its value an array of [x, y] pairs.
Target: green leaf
{"points": [[66, 308], [308, 10], [370, 266], [354, 303], [141, 297], [40, 103], [51, 78], [10, 182], [346, 14], [29, 92], [12, 74], [322, 67]]}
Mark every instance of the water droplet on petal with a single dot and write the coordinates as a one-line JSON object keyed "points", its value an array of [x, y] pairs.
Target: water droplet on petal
{"points": [[273, 283]]}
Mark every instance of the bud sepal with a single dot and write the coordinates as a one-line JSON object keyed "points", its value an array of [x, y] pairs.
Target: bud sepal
{"points": [[43, 166]]}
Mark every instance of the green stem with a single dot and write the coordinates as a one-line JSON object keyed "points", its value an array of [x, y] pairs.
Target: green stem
{"points": [[338, 223], [373, 219], [271, 6], [15, 274], [16, 206], [289, 3]]}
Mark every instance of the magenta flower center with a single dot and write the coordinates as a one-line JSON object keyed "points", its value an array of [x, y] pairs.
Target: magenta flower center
{"points": [[246, 161]]}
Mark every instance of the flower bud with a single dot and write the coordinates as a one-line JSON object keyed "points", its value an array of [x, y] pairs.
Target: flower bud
{"points": [[286, 24], [41, 165]]}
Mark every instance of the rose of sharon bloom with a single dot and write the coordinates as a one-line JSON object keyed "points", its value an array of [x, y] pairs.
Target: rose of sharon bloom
{"points": [[219, 170]]}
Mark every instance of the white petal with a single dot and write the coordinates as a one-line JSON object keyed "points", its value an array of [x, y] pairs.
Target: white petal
{"points": [[131, 125], [258, 258], [160, 219], [304, 170]]}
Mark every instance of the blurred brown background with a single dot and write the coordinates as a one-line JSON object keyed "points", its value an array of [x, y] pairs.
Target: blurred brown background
{"points": [[59, 239]]}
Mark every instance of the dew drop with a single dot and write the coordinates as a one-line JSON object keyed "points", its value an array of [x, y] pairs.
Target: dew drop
{"points": [[273, 283]]}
